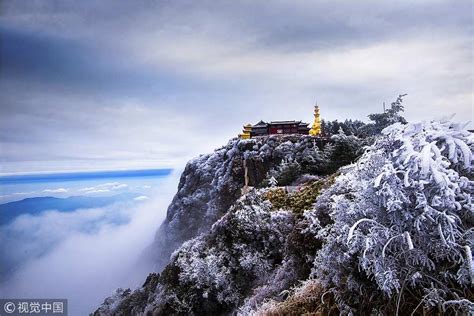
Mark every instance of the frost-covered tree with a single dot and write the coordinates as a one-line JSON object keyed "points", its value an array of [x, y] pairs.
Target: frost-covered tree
{"points": [[349, 127], [273, 182], [390, 116], [287, 172], [403, 222], [342, 150]]}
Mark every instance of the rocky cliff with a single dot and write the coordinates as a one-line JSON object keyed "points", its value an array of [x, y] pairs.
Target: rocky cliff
{"points": [[389, 234], [211, 184], [233, 242]]}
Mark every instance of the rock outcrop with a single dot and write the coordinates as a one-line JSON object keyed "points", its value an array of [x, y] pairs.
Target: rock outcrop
{"points": [[227, 244], [211, 183]]}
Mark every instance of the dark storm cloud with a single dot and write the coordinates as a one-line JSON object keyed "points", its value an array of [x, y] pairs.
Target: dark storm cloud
{"points": [[342, 24], [34, 58], [149, 81]]}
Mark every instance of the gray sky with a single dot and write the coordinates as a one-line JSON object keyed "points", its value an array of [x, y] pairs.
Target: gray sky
{"points": [[149, 84]]}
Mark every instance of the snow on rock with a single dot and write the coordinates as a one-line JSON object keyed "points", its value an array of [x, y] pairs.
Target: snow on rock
{"points": [[225, 251], [211, 183]]}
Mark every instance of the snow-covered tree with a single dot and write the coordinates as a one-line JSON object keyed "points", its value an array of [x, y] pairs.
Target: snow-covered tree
{"points": [[342, 150], [287, 172], [349, 127], [403, 220], [390, 116], [273, 182]]}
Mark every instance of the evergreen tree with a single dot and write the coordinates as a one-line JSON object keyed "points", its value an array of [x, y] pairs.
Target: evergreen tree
{"points": [[390, 116], [343, 150]]}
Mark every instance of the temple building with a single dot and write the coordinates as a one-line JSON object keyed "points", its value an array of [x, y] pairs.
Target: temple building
{"points": [[246, 133], [283, 127]]}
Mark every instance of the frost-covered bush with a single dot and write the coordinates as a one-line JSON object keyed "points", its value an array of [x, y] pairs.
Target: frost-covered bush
{"points": [[286, 172], [403, 222], [251, 234], [342, 150], [299, 200], [213, 273], [302, 300]]}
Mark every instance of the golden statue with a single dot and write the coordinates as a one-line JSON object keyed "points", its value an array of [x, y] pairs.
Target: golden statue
{"points": [[316, 127]]}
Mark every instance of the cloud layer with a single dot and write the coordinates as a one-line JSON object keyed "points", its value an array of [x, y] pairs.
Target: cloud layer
{"points": [[82, 256], [146, 84]]}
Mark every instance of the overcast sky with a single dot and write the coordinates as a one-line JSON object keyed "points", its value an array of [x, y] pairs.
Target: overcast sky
{"points": [[148, 84]]}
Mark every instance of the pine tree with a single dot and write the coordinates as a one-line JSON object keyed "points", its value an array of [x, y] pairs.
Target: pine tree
{"points": [[388, 117]]}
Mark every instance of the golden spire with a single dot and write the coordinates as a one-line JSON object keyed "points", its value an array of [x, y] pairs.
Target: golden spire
{"points": [[316, 127]]}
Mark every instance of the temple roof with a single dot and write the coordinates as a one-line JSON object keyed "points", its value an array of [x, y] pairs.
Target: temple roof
{"points": [[261, 124], [284, 122]]}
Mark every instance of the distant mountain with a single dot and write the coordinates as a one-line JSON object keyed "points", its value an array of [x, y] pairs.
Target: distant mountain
{"points": [[36, 205]]}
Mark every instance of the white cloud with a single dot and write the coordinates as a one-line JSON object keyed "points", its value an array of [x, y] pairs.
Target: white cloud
{"points": [[58, 190], [92, 255], [104, 188], [21, 193], [141, 198]]}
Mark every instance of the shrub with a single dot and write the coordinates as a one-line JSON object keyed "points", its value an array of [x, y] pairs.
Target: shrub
{"points": [[302, 300], [403, 221], [299, 200]]}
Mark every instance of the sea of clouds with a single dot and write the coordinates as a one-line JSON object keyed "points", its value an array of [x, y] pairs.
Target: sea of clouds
{"points": [[84, 255]]}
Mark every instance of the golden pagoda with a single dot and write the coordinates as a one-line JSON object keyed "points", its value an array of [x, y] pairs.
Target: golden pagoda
{"points": [[316, 127], [246, 132]]}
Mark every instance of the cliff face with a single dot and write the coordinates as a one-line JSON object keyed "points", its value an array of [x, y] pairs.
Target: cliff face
{"points": [[210, 185], [233, 243]]}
